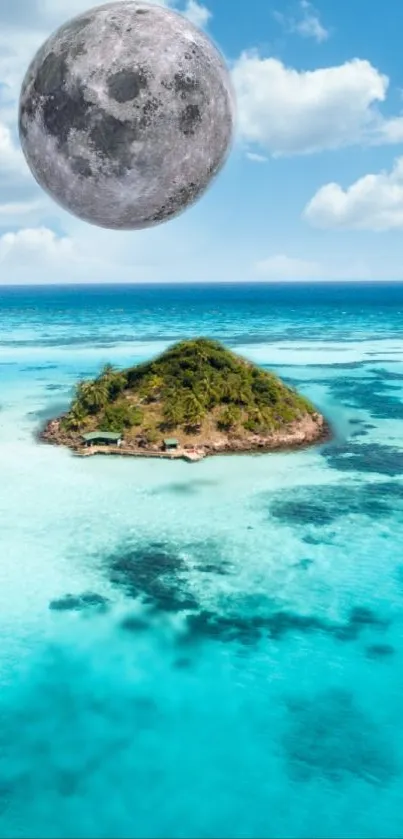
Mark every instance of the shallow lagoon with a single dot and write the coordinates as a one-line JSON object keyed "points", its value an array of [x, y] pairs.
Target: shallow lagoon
{"points": [[239, 671]]}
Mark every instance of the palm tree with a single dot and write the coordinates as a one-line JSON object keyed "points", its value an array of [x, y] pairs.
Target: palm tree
{"points": [[261, 419], [155, 382], [117, 383], [80, 391], [151, 387], [92, 395], [229, 417], [107, 371], [209, 389], [75, 417], [266, 419], [173, 414], [193, 410], [202, 352], [230, 390], [115, 380], [99, 394], [242, 390]]}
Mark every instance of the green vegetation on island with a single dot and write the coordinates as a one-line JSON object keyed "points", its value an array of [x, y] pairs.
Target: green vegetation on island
{"points": [[197, 389]]}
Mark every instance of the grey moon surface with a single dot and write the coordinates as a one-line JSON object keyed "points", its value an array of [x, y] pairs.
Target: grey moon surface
{"points": [[126, 115]]}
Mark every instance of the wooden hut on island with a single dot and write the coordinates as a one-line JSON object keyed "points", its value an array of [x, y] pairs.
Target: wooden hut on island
{"points": [[171, 444], [102, 438]]}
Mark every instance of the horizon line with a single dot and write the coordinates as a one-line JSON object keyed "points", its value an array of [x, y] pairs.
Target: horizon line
{"points": [[187, 283]]}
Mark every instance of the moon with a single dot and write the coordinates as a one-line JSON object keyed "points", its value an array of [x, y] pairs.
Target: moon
{"points": [[126, 115]]}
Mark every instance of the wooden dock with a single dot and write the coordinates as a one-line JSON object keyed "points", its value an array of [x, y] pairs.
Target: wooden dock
{"points": [[122, 451]]}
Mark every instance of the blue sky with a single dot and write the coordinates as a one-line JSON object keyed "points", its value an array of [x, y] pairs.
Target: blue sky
{"points": [[313, 188]]}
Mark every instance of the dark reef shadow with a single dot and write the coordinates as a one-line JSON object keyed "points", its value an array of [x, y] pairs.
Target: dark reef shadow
{"points": [[330, 737]]}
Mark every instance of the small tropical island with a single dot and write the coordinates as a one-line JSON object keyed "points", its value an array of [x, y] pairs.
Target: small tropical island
{"points": [[196, 399]]}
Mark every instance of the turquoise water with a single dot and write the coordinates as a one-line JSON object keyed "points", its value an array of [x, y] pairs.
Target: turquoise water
{"points": [[230, 659]]}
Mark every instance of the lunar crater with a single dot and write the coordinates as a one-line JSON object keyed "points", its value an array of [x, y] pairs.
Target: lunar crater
{"points": [[64, 111], [189, 119], [126, 85], [185, 83], [149, 110], [51, 74], [81, 166], [117, 106], [112, 138]]}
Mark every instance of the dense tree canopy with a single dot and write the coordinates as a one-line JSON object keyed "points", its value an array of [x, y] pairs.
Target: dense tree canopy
{"points": [[192, 383]]}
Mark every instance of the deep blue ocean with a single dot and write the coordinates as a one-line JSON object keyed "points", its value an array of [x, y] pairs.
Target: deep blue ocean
{"points": [[212, 649]]}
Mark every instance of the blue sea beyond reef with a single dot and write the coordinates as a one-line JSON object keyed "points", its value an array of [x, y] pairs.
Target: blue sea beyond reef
{"points": [[230, 660]]}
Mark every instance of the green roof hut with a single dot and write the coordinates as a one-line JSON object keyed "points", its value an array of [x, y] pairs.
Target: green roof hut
{"points": [[171, 444], [102, 438]]}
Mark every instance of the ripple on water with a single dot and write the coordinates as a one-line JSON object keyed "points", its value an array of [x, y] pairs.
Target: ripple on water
{"points": [[373, 394], [365, 457], [330, 736], [323, 504]]}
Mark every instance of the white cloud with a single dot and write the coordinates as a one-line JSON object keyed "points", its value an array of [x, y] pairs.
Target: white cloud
{"points": [[20, 208], [306, 23], [15, 180], [31, 242], [197, 14], [287, 111], [374, 202], [256, 158], [38, 254], [16, 184], [18, 45], [56, 12], [87, 253], [310, 26], [389, 131], [11, 158]]}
